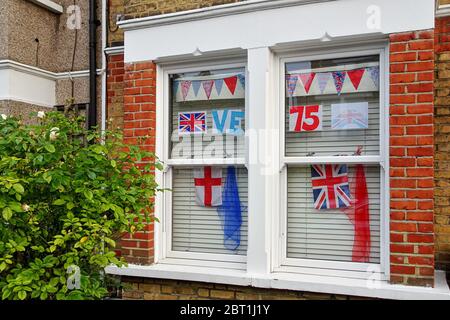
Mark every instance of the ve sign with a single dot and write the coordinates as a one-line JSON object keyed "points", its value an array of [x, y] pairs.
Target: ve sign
{"points": [[228, 122]]}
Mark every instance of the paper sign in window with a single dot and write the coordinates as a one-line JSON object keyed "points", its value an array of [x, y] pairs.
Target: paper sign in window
{"points": [[305, 118], [347, 116], [192, 123], [228, 121]]}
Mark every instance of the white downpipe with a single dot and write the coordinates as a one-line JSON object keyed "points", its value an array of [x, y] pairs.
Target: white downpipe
{"points": [[103, 71]]}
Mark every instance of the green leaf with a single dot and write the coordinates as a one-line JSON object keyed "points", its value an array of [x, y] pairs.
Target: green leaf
{"points": [[50, 148], [16, 206], [113, 163], [54, 282], [92, 175], [70, 205], [6, 293], [7, 213], [88, 194], [47, 177], [22, 294], [19, 188], [59, 202]]}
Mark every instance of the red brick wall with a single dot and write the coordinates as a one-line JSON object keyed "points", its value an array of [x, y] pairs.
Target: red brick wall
{"points": [[114, 87], [139, 125], [411, 157]]}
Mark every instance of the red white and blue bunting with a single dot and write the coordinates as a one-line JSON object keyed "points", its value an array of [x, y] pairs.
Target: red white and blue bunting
{"points": [[344, 79], [215, 87]]}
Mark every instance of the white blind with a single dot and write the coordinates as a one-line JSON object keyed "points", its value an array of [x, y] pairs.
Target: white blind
{"points": [[199, 146], [327, 234], [332, 142], [199, 229]]}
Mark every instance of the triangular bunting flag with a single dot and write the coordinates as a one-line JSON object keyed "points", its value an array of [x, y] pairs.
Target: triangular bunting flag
{"points": [[339, 78], [322, 79], [242, 80], [291, 82], [356, 76], [231, 83], [307, 80], [375, 75], [208, 85], [196, 87], [185, 86], [218, 84]]}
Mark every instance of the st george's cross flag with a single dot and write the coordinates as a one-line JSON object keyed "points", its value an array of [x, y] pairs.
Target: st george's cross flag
{"points": [[208, 186], [330, 186], [191, 123]]}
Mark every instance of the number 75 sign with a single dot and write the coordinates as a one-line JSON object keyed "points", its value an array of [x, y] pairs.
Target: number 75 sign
{"points": [[305, 118]]}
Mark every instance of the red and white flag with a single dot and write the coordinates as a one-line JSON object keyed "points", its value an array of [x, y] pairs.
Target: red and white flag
{"points": [[208, 186]]}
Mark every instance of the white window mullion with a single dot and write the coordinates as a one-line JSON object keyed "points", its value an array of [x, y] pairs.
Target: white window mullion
{"points": [[260, 159]]}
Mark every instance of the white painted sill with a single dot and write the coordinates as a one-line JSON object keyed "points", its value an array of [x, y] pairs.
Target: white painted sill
{"points": [[49, 5], [443, 10], [289, 281]]}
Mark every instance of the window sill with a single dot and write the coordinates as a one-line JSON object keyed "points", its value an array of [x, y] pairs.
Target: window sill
{"points": [[49, 5], [289, 281]]}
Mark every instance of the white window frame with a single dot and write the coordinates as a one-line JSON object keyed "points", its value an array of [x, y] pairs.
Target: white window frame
{"points": [[280, 261], [277, 262], [163, 206]]}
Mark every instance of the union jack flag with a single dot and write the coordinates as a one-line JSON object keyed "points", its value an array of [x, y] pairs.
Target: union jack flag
{"points": [[191, 122], [349, 116], [330, 186]]}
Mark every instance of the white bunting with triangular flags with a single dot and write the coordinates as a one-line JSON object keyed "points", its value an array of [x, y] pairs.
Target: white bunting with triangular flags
{"points": [[364, 77], [214, 87]]}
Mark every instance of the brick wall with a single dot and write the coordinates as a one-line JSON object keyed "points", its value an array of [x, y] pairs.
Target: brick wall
{"points": [[442, 144], [160, 289], [115, 34], [411, 157], [144, 8], [115, 85], [139, 122]]}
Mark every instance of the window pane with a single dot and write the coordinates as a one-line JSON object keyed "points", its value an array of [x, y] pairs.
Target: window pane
{"points": [[332, 107], [197, 228], [329, 234], [208, 114]]}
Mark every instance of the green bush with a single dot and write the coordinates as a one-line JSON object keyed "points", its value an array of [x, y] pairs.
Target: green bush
{"points": [[66, 195]]}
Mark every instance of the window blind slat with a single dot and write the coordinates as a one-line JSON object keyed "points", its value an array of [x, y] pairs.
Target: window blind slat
{"points": [[332, 142], [327, 234], [199, 229]]}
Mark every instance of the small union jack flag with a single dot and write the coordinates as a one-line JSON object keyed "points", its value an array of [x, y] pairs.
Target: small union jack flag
{"points": [[191, 122], [330, 186], [349, 116]]}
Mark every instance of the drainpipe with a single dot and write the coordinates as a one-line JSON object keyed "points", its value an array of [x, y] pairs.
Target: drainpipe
{"points": [[92, 116], [104, 62]]}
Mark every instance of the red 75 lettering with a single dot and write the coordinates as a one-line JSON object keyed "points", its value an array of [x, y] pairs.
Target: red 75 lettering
{"points": [[309, 118]]}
